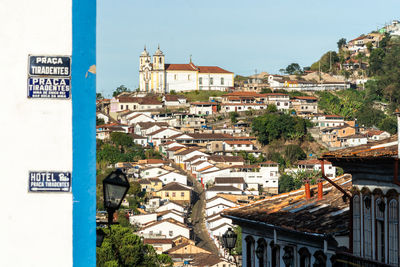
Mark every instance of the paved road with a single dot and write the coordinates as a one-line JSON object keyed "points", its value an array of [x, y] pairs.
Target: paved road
{"points": [[202, 238]]}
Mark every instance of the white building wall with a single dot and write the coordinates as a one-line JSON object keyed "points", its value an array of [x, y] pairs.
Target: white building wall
{"points": [[220, 201], [200, 110], [216, 77], [170, 230], [173, 177], [170, 206], [142, 218], [181, 81], [37, 226]]}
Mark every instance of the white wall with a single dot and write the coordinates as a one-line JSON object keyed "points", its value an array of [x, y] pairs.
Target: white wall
{"points": [[181, 83], [37, 226]]}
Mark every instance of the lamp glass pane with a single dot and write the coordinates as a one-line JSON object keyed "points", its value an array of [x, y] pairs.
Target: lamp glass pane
{"points": [[113, 195]]}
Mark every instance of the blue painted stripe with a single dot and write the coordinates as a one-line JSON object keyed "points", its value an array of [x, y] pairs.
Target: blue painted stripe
{"points": [[83, 89]]}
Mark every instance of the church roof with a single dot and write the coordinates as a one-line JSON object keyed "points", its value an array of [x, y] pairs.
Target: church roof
{"points": [[211, 69], [190, 67]]}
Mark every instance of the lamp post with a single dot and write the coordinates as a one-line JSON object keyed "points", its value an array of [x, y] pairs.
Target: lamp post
{"points": [[99, 237], [229, 241], [115, 187]]}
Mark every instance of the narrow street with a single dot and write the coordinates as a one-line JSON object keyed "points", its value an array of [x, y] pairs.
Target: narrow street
{"points": [[202, 238]]}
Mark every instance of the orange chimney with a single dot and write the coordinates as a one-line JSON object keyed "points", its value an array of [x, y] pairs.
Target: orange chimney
{"points": [[307, 189], [320, 190]]}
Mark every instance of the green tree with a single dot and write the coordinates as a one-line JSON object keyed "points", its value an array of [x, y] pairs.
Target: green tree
{"points": [[286, 183], [238, 246], [273, 126], [271, 108], [266, 90], [293, 68], [388, 124], [341, 43], [99, 121], [121, 139], [99, 96], [121, 247], [233, 116], [119, 90], [294, 153], [369, 116]]}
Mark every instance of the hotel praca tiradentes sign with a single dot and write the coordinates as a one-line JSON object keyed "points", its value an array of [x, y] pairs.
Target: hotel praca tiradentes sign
{"points": [[49, 77]]}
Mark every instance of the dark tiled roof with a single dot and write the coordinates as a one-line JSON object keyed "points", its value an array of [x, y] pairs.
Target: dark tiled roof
{"points": [[229, 180], [211, 69], [136, 136], [152, 241], [203, 259], [174, 186], [226, 158], [293, 212], [384, 149], [222, 188]]}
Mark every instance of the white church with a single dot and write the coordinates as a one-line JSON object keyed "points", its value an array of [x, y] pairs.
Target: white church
{"points": [[157, 77]]}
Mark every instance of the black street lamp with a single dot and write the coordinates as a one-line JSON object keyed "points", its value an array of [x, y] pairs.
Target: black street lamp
{"points": [[115, 187], [229, 239], [99, 237]]}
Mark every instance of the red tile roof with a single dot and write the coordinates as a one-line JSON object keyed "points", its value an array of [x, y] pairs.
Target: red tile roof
{"points": [[386, 148], [186, 67], [293, 212], [203, 103], [211, 69], [238, 142], [312, 162]]}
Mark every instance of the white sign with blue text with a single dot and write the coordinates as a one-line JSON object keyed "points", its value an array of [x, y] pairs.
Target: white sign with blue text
{"points": [[49, 181]]}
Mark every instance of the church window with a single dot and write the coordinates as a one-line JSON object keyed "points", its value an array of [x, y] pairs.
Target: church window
{"points": [[189, 77], [159, 60], [222, 81], [175, 76], [367, 228], [201, 80], [356, 226], [380, 229], [393, 233], [211, 81], [122, 107]]}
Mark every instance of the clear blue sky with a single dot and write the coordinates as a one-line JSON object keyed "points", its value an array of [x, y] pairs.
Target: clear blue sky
{"points": [[239, 36]]}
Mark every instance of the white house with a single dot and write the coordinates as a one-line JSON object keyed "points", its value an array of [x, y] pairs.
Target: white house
{"points": [[353, 140], [159, 244], [238, 145], [233, 181], [377, 135], [139, 117], [170, 177], [314, 165], [213, 191], [217, 208], [203, 108], [170, 205], [161, 134], [219, 200], [138, 139], [265, 174], [217, 220], [168, 228], [323, 121], [174, 214], [152, 172], [281, 101], [235, 107], [142, 219], [174, 101]]}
